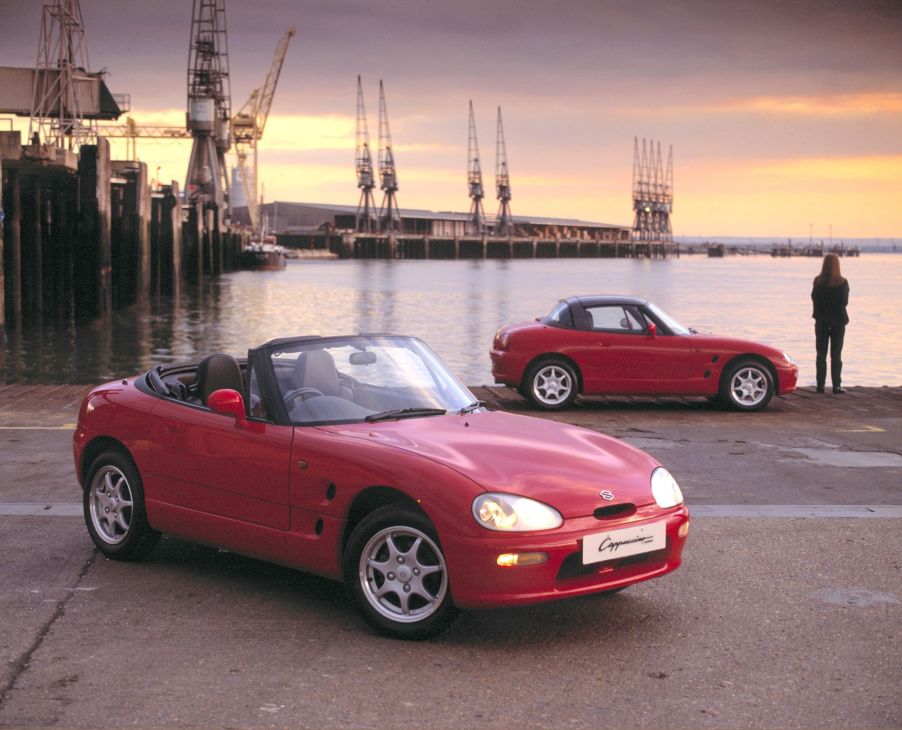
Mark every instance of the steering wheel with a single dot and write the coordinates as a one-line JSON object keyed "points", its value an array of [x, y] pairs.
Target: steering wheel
{"points": [[303, 393]]}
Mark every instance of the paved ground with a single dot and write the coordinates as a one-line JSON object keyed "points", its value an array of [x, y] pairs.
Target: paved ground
{"points": [[787, 612]]}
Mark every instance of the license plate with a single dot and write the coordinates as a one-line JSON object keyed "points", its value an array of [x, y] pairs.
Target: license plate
{"points": [[624, 542]]}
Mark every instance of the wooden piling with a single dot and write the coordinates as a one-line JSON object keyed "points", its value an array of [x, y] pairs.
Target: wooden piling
{"points": [[93, 272], [12, 250]]}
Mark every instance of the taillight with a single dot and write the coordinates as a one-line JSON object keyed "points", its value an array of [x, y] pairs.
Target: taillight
{"points": [[501, 340]]}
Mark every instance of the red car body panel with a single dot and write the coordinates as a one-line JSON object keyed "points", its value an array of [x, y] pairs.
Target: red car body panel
{"points": [[286, 493], [610, 363]]}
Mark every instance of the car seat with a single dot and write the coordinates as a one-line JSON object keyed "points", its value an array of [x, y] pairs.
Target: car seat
{"points": [[215, 372]]}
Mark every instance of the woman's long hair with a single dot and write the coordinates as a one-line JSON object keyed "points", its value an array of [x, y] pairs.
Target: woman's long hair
{"points": [[829, 275]]}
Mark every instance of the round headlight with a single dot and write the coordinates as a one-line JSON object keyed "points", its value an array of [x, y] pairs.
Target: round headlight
{"points": [[510, 513], [665, 489]]}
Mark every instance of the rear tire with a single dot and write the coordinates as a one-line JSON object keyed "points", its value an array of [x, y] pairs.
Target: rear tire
{"points": [[551, 385], [747, 386], [113, 503], [395, 572]]}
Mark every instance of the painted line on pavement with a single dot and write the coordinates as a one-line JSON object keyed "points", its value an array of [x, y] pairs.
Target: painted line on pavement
{"points": [[64, 427], [818, 511], [40, 509], [796, 510]]}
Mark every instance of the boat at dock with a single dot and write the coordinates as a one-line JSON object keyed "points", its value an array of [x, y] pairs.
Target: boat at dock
{"points": [[263, 255]]}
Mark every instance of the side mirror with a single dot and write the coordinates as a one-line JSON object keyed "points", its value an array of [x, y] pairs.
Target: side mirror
{"points": [[652, 329], [228, 402]]}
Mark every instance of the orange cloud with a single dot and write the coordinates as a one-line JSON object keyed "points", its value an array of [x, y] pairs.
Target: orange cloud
{"points": [[884, 169], [841, 105]]}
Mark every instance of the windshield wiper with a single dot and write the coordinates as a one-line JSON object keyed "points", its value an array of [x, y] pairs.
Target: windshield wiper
{"points": [[470, 408], [405, 413]]}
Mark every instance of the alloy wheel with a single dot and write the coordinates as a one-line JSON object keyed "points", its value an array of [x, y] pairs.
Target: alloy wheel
{"points": [[552, 385], [749, 386], [402, 574], [111, 504]]}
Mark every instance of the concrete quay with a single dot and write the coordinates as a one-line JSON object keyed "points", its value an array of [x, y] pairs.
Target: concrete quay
{"points": [[786, 613]]}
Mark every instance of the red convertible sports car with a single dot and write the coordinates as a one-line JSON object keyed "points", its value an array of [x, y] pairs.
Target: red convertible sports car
{"points": [[626, 346], [364, 459]]}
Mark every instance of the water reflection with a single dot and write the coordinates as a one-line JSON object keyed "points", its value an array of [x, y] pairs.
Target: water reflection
{"points": [[456, 306]]}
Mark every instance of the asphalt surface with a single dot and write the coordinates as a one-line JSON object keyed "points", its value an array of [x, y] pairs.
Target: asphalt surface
{"points": [[786, 613]]}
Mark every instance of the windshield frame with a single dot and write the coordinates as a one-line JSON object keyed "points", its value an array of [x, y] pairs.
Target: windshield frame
{"points": [[454, 394], [673, 325]]}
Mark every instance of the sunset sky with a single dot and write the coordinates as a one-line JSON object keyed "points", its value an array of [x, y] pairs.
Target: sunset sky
{"points": [[785, 117]]}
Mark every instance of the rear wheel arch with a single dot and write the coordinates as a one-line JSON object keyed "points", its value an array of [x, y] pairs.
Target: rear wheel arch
{"points": [[551, 382], [548, 356], [114, 506], [95, 448]]}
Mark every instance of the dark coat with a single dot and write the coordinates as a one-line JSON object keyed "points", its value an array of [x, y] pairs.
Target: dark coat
{"points": [[830, 303]]}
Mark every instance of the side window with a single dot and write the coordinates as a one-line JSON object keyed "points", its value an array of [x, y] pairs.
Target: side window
{"points": [[615, 319]]}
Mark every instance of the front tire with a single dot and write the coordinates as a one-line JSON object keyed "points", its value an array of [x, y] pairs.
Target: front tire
{"points": [[395, 572], [551, 385], [114, 510], [748, 386]]}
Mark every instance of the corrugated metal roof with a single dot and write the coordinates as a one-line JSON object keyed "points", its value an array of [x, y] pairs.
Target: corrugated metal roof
{"points": [[414, 213]]}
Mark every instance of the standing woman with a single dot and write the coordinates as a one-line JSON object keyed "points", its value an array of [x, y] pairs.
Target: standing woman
{"points": [[831, 297]]}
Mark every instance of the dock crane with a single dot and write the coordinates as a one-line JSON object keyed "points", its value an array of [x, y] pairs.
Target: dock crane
{"points": [[366, 207], [503, 222], [209, 104], [476, 221], [249, 122], [652, 193], [389, 215], [131, 130]]}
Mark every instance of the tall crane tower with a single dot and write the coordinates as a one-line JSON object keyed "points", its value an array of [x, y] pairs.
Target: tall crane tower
{"points": [[209, 104], [248, 125], [389, 215], [503, 222], [56, 113], [652, 193], [476, 221], [366, 207]]}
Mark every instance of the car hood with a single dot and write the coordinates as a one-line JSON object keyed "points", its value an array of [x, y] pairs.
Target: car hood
{"points": [[555, 463], [715, 342]]}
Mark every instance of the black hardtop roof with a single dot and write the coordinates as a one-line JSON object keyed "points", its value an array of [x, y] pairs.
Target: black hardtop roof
{"points": [[602, 299]]}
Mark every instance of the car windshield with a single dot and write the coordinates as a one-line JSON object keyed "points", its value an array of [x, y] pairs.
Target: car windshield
{"points": [[365, 378], [672, 324]]}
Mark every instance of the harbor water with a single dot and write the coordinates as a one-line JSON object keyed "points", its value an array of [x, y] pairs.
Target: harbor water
{"points": [[456, 307]]}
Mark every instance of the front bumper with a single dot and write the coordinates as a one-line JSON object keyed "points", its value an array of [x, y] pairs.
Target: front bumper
{"points": [[477, 581], [787, 378]]}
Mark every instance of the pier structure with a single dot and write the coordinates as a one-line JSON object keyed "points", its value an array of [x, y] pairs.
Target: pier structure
{"points": [[428, 235], [83, 234]]}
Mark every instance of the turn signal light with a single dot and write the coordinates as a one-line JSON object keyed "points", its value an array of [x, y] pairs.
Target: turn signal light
{"points": [[512, 560], [684, 529]]}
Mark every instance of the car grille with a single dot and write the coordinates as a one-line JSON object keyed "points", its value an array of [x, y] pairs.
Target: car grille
{"points": [[615, 510], [573, 567]]}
